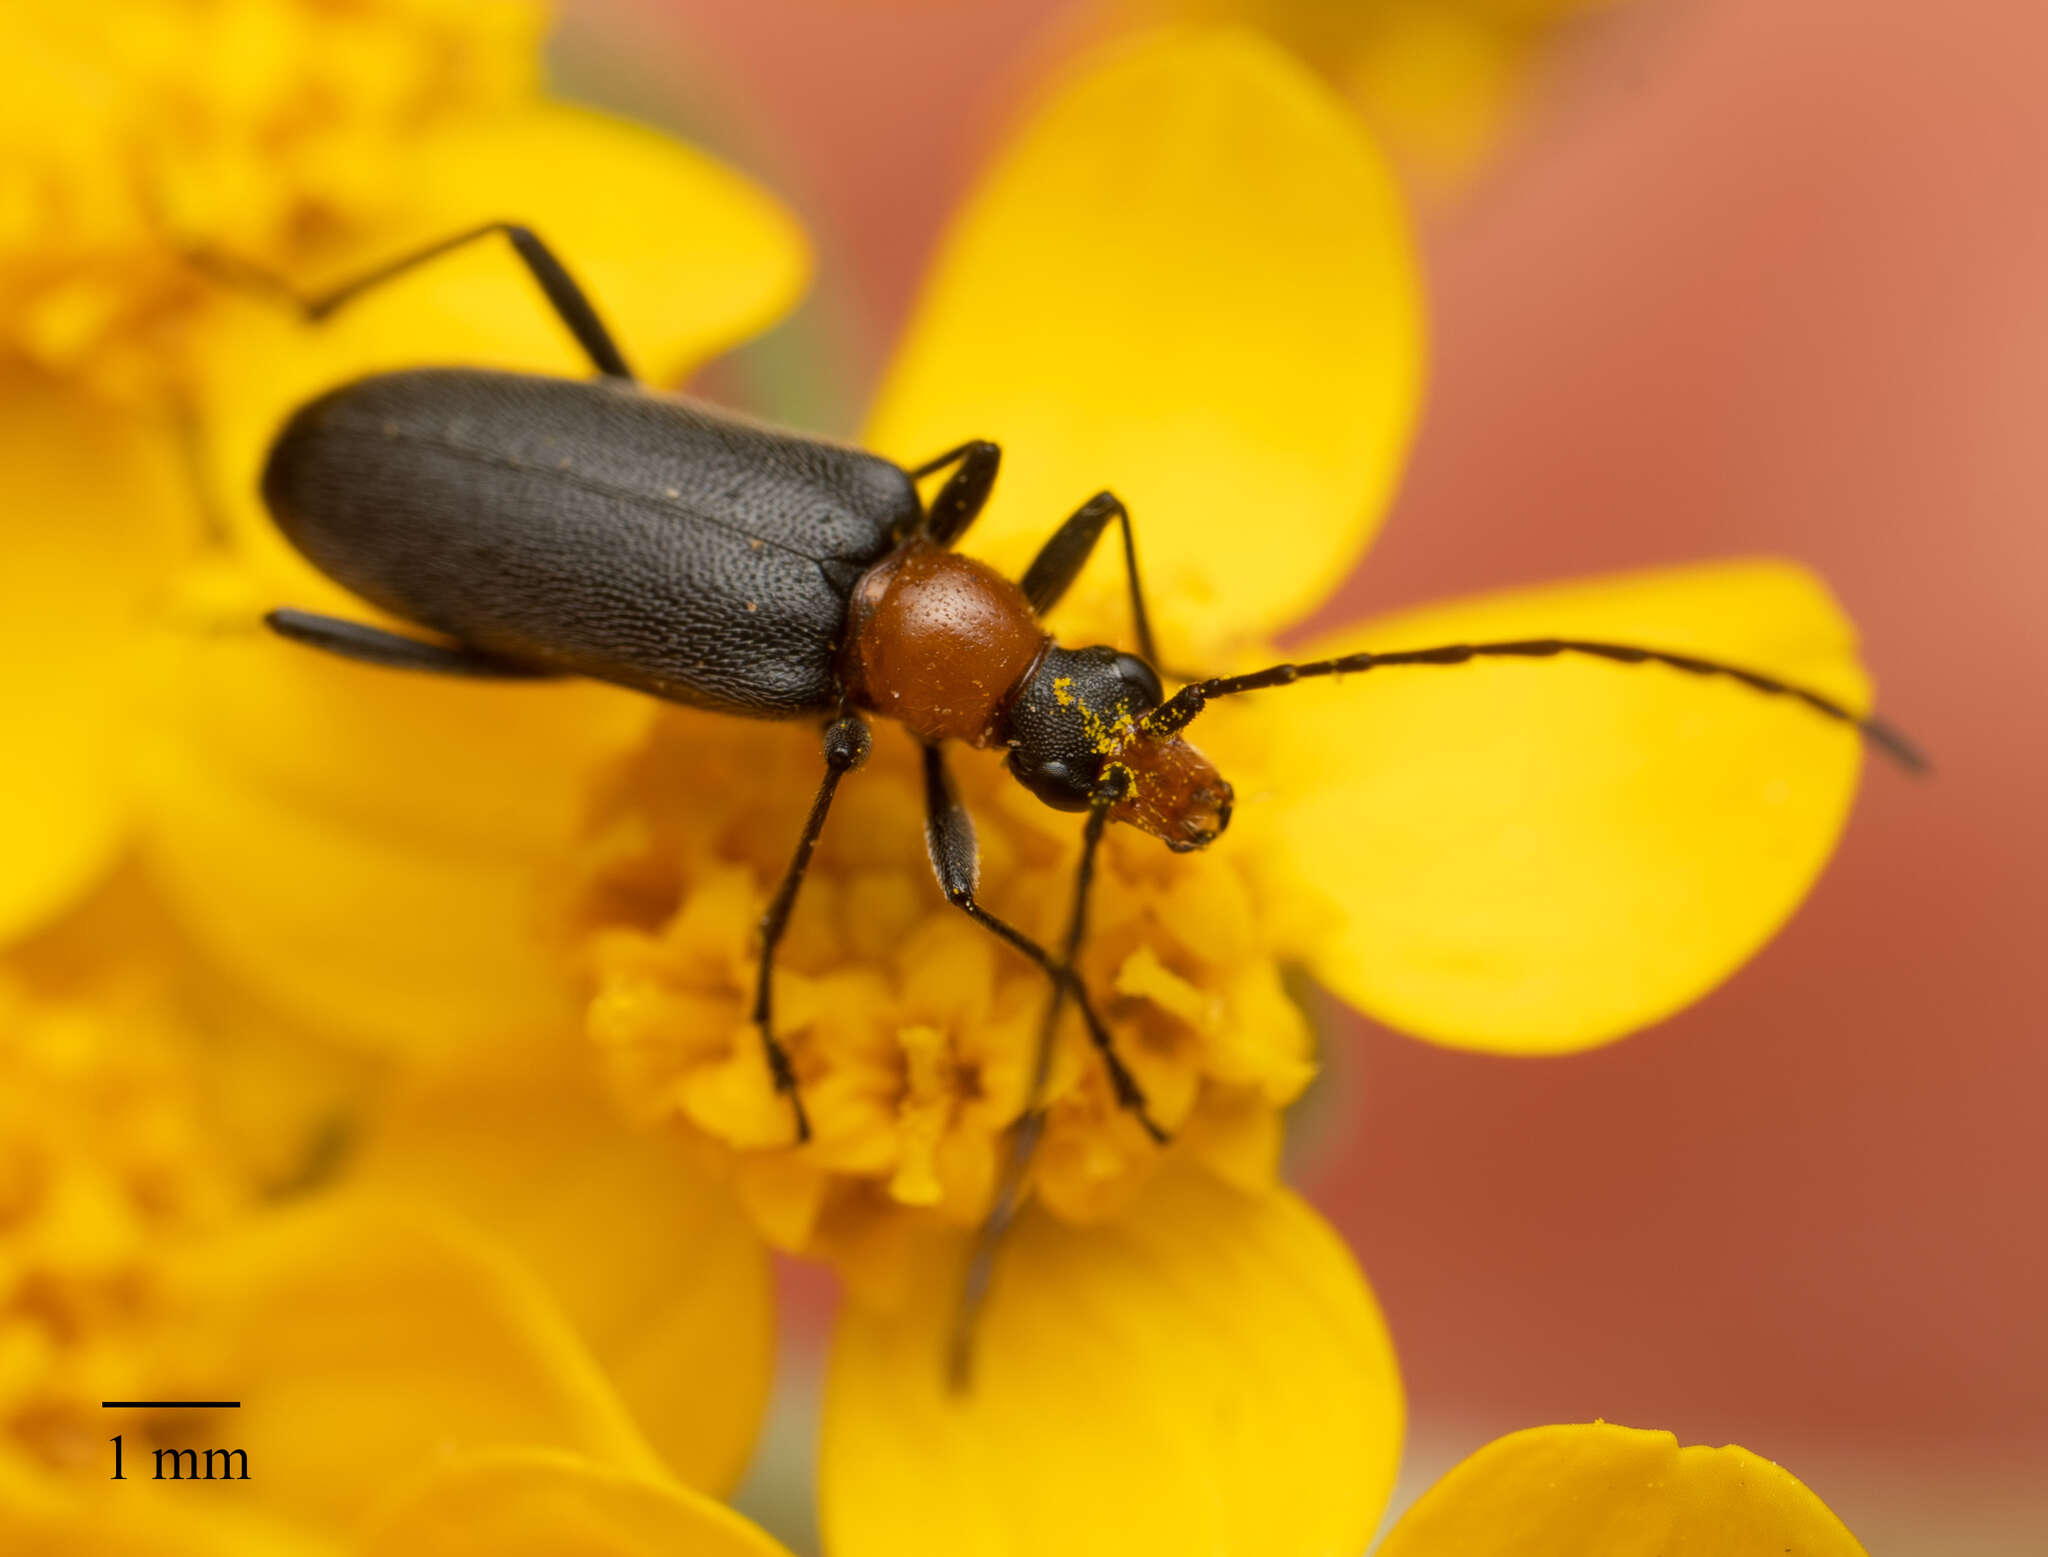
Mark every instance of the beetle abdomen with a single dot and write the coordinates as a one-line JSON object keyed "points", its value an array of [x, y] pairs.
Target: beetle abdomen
{"points": [[592, 527]]}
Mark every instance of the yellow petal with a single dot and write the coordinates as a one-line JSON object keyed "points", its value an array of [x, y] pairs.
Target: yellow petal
{"points": [[37, 1518], [1538, 856], [654, 1265], [1446, 84], [363, 847], [1620, 1492], [370, 1343], [534, 1503], [89, 503], [1189, 280], [681, 256], [1207, 1374]]}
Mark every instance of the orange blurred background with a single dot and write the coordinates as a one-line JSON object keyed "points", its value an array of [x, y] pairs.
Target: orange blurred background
{"points": [[1751, 276]]}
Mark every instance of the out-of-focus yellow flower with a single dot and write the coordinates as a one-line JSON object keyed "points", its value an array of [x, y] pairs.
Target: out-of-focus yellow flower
{"points": [[654, 1268], [307, 842], [326, 843], [1188, 280], [106, 1174], [340, 851], [392, 1335], [132, 132], [1618, 1491], [1544, 1492], [90, 504], [273, 130], [1441, 79]]}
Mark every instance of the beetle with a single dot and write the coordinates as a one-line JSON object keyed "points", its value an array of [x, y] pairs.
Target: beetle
{"points": [[548, 526]]}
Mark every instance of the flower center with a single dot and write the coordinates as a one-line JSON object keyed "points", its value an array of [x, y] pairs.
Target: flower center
{"points": [[913, 1031], [263, 131]]}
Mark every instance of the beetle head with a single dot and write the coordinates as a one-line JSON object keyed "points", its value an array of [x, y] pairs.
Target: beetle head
{"points": [[1079, 719]]}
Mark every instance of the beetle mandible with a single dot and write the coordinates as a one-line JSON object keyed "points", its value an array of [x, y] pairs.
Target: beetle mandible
{"points": [[549, 526]]}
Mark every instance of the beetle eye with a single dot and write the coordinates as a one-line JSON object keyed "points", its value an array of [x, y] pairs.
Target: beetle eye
{"points": [[1054, 783], [1142, 679]]}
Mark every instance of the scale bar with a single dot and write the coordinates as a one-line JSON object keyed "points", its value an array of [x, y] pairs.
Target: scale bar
{"points": [[158, 1405]]}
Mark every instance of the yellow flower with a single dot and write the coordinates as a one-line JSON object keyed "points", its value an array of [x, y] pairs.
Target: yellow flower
{"points": [[311, 140], [264, 129], [392, 1335], [313, 831], [1188, 280], [341, 849], [135, 130], [1441, 79], [105, 1169]]}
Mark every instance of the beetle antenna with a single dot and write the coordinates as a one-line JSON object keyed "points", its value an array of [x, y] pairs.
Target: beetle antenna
{"points": [[1178, 711], [989, 1237]]}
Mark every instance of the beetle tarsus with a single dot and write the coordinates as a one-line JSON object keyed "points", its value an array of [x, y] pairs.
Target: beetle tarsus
{"points": [[1131, 1096], [786, 1084]]}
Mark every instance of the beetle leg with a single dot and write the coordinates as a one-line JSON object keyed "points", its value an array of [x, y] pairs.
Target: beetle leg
{"points": [[846, 748], [956, 455], [1060, 560], [949, 835], [568, 300], [965, 491], [1010, 1187], [396, 651]]}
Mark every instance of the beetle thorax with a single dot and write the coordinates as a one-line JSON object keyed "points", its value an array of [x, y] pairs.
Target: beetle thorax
{"points": [[940, 642]]}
